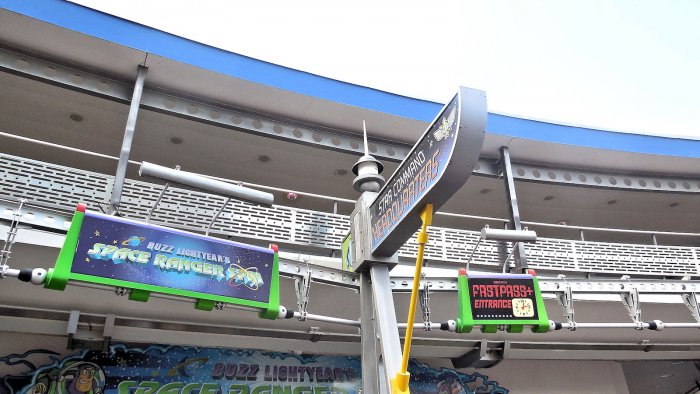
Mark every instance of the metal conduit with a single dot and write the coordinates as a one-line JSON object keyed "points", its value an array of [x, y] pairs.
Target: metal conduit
{"points": [[433, 326], [344, 200], [627, 325], [329, 319], [437, 326], [12, 200], [309, 316]]}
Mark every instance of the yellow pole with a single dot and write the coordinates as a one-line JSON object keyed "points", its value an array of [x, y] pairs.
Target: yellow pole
{"points": [[399, 384]]}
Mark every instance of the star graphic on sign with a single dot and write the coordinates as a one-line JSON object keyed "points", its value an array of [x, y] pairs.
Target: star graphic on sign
{"points": [[97, 233], [87, 260], [155, 373], [121, 362], [114, 242], [431, 143]]}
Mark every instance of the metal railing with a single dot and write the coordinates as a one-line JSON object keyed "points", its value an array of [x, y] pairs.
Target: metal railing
{"points": [[51, 185]]}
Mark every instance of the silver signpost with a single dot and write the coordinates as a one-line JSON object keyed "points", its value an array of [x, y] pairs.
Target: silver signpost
{"points": [[387, 214], [438, 165]]}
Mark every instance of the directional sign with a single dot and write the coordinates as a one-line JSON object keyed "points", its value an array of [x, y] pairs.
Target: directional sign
{"points": [[437, 166], [493, 300], [110, 250]]}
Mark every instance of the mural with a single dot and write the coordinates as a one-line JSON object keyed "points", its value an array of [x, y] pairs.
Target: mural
{"points": [[188, 370]]}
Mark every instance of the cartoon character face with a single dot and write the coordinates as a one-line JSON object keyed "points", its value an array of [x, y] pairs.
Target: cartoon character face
{"points": [[85, 377]]}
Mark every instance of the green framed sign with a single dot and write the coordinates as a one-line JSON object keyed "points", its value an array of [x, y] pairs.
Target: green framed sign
{"points": [[145, 258], [495, 300], [346, 253]]}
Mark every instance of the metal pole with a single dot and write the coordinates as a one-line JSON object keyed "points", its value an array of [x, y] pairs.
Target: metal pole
{"points": [[385, 320], [519, 252], [370, 351], [116, 197]]}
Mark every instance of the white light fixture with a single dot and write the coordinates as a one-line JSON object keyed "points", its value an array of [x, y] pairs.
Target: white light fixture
{"points": [[516, 236], [201, 182]]}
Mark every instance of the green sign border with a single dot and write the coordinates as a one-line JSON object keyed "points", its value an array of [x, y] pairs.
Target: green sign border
{"points": [[57, 278], [465, 323]]}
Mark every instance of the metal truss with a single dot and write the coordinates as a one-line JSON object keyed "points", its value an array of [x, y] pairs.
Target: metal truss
{"points": [[44, 322], [578, 286], [297, 132]]}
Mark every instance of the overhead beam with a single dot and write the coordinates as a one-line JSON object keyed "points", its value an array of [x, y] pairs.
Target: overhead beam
{"points": [[345, 141], [126, 329]]}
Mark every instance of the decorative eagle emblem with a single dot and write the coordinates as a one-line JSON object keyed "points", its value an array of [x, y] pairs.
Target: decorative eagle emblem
{"points": [[446, 127]]}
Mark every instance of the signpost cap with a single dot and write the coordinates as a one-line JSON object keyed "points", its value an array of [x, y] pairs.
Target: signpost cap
{"points": [[364, 159], [462, 271], [367, 170], [81, 207], [274, 248], [531, 272]]}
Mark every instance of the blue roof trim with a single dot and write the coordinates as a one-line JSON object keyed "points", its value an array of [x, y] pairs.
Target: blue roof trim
{"points": [[591, 138], [94, 23], [130, 34]]}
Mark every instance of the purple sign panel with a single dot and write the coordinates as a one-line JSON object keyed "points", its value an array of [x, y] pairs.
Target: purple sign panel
{"points": [[437, 166], [118, 249]]}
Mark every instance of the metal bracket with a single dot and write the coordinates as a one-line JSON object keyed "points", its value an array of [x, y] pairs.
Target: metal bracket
{"points": [[484, 357], [121, 291], [691, 301], [478, 242], [72, 328], [107, 332], [11, 234], [302, 287], [630, 300], [566, 301], [316, 334], [218, 213], [155, 204], [89, 343], [424, 297], [512, 251]]}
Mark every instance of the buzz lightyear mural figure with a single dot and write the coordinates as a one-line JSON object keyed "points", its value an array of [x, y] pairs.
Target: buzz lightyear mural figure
{"points": [[74, 377]]}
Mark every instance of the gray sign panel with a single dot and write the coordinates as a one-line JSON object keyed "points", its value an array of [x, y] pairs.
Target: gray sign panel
{"points": [[437, 166]]}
